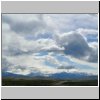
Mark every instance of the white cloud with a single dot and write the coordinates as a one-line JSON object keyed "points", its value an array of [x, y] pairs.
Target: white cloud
{"points": [[14, 43], [93, 69], [34, 24], [53, 48], [79, 61], [43, 23], [53, 33], [29, 64], [87, 31], [71, 22], [77, 46]]}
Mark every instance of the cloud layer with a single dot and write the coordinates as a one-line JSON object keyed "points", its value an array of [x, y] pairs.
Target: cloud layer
{"points": [[44, 43]]}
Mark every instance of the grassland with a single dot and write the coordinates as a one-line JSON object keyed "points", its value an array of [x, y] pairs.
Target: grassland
{"points": [[47, 82]]}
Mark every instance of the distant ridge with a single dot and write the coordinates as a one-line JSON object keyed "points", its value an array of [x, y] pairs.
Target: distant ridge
{"points": [[8, 74], [65, 75], [62, 75]]}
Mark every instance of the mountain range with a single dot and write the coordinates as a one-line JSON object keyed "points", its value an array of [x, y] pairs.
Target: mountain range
{"points": [[62, 75]]}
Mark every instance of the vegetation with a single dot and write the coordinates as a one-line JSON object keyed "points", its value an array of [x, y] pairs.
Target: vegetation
{"points": [[47, 82]]}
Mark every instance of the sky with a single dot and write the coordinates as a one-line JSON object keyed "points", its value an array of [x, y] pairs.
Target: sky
{"points": [[49, 43]]}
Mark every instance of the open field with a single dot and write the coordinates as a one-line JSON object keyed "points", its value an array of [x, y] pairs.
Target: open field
{"points": [[47, 82]]}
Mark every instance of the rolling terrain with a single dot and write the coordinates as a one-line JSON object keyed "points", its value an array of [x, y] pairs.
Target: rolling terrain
{"points": [[57, 79]]}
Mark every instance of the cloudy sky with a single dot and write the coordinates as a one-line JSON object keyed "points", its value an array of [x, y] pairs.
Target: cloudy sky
{"points": [[49, 43]]}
